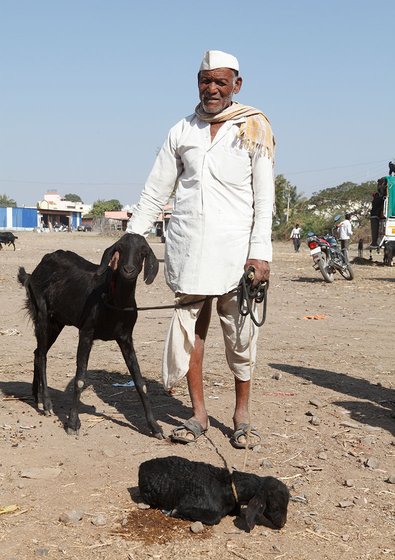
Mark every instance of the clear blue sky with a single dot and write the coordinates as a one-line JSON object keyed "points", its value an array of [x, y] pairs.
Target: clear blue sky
{"points": [[89, 88]]}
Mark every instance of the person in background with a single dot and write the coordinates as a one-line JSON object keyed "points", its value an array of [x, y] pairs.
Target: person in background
{"points": [[295, 236], [376, 214], [344, 231], [219, 162]]}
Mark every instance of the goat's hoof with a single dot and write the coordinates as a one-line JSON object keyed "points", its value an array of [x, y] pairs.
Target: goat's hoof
{"points": [[72, 432], [158, 435], [48, 412]]}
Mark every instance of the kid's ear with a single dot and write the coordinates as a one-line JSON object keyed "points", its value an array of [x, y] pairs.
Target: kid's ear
{"points": [[151, 267], [254, 507]]}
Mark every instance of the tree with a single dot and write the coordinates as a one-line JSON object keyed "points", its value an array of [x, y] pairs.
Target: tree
{"points": [[73, 198], [347, 197], [6, 202], [289, 205], [101, 206], [288, 200]]}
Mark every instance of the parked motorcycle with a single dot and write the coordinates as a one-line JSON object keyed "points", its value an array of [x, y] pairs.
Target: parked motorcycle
{"points": [[327, 257]]}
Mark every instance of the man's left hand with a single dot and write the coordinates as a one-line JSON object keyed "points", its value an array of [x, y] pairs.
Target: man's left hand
{"points": [[262, 270]]}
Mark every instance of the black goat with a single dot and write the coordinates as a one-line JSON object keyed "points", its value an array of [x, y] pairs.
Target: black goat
{"points": [[202, 492], [7, 238], [65, 289]]}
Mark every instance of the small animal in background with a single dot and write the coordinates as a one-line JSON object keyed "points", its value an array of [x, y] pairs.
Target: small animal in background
{"points": [[203, 492], [7, 238], [391, 168], [360, 248]]}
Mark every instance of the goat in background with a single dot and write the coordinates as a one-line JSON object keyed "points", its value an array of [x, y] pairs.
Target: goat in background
{"points": [[66, 289], [7, 238]]}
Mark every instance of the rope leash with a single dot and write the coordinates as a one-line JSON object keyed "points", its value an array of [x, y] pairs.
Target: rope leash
{"points": [[129, 309], [247, 294]]}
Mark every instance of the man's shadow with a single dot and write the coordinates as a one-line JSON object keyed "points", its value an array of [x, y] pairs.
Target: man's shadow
{"points": [[376, 404]]}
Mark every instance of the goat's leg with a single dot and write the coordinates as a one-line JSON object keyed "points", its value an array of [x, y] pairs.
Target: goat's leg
{"points": [[189, 510], [46, 334], [83, 352], [127, 349]]}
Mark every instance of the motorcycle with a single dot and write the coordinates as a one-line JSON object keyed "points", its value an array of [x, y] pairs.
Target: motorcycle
{"points": [[327, 257]]}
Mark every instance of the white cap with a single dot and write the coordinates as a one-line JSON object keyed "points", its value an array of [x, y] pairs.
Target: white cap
{"points": [[218, 59]]}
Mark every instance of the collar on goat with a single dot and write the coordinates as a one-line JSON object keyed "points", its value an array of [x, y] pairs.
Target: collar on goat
{"points": [[104, 298]]}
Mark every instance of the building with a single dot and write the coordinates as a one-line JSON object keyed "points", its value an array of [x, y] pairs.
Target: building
{"points": [[118, 220], [15, 218], [55, 211]]}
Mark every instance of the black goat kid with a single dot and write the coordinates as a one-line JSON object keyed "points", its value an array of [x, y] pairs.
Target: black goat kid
{"points": [[202, 492], [65, 289]]}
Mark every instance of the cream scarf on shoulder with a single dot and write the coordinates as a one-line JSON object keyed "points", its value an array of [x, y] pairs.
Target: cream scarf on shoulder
{"points": [[255, 134]]}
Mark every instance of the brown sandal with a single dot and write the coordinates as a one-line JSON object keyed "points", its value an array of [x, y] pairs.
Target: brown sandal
{"points": [[243, 430], [191, 427]]}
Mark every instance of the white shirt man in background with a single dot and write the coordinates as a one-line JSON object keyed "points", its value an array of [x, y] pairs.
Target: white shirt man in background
{"points": [[344, 230]]}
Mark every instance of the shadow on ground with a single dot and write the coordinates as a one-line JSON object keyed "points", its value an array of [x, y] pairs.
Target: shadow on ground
{"points": [[124, 399], [374, 404]]}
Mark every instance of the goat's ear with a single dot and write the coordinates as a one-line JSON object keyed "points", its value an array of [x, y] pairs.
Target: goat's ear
{"points": [[114, 261], [254, 508], [105, 260], [151, 267]]}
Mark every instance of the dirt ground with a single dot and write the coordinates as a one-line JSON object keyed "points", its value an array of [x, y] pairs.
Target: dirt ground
{"points": [[323, 399]]}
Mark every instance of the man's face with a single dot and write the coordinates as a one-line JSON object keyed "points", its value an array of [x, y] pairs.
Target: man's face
{"points": [[216, 89]]}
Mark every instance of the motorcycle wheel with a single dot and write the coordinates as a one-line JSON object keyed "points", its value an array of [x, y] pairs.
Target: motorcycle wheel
{"points": [[325, 270], [347, 272]]}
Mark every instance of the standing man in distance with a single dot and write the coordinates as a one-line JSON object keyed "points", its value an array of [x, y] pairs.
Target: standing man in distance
{"points": [[219, 161], [295, 236], [344, 230]]}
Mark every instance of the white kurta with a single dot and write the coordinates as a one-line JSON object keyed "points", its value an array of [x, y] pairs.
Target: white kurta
{"points": [[223, 206]]}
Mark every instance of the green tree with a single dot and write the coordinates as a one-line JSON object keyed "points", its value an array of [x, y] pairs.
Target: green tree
{"points": [[73, 198], [288, 200], [6, 202], [347, 197], [289, 205], [101, 206]]}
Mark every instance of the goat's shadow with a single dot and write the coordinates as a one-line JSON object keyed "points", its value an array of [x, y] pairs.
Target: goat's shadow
{"points": [[61, 400], [376, 404], [166, 408], [112, 389]]}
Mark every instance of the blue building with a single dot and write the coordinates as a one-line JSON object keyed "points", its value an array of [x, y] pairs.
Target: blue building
{"points": [[19, 218]]}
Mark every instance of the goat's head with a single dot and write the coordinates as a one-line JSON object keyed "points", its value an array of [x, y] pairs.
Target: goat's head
{"points": [[127, 256], [270, 502]]}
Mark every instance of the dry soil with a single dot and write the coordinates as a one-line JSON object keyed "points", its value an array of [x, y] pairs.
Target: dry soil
{"points": [[323, 399]]}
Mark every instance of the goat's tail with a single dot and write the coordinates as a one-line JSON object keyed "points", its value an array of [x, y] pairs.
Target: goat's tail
{"points": [[31, 301], [23, 276]]}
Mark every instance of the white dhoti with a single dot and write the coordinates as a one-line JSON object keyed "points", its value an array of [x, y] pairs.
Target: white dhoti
{"points": [[240, 337]]}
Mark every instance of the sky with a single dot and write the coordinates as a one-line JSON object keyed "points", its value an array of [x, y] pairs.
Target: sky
{"points": [[90, 88]]}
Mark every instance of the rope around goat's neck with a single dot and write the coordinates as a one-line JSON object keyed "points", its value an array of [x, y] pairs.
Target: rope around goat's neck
{"points": [[233, 486]]}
